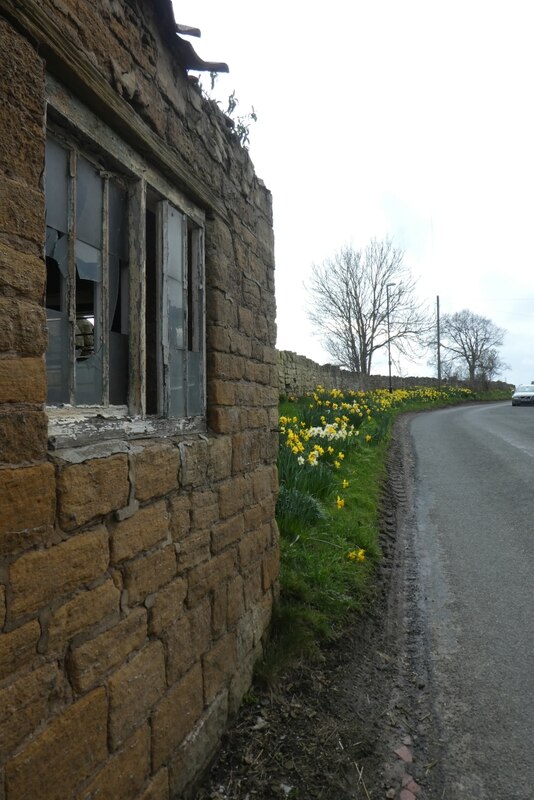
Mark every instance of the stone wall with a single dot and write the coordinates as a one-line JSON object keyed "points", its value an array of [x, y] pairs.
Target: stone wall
{"points": [[137, 575], [298, 375]]}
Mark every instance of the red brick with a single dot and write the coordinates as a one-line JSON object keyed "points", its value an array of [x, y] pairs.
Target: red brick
{"points": [[18, 648], [92, 489], [88, 663], [134, 690], [68, 751], [147, 573], [124, 774], [176, 715], [27, 498], [42, 575]]}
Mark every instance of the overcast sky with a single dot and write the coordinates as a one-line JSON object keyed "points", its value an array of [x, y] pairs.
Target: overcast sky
{"points": [[403, 118]]}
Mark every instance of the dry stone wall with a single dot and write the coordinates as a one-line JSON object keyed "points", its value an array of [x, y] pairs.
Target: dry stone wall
{"points": [[137, 576], [298, 375]]}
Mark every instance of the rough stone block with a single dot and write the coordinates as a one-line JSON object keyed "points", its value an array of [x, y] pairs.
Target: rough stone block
{"points": [[22, 327], [25, 703], [270, 567], [158, 788], [220, 458], [134, 690], [234, 496], [187, 640], [226, 532], [218, 666], [68, 751], [199, 746], [147, 573], [23, 436], [245, 451], [253, 546], [236, 600], [219, 608], [125, 773], [92, 489], [194, 463], [206, 576], [176, 715], [2, 605], [18, 648], [180, 509], [204, 509], [222, 419], [21, 118], [221, 393], [193, 549], [27, 497], [146, 528], [252, 587], [88, 663], [42, 575], [22, 273], [156, 471], [82, 613], [22, 211], [167, 606]]}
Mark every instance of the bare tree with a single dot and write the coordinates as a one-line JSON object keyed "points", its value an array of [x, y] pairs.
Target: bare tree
{"points": [[470, 344], [363, 300]]}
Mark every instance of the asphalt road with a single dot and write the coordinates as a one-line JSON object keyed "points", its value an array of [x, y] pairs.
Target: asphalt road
{"points": [[473, 523]]}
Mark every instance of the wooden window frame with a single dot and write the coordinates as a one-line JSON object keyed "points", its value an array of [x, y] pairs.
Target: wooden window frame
{"points": [[70, 425]]}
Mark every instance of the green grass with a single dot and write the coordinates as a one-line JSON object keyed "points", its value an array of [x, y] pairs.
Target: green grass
{"points": [[322, 588]]}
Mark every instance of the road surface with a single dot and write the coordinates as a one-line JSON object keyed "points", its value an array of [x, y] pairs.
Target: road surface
{"points": [[473, 551]]}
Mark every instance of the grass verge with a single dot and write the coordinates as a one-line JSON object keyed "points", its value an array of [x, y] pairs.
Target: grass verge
{"points": [[333, 449]]}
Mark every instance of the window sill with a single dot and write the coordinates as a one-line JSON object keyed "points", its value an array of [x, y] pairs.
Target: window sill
{"points": [[71, 426]]}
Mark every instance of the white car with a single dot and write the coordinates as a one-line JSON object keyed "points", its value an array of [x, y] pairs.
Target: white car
{"points": [[523, 395]]}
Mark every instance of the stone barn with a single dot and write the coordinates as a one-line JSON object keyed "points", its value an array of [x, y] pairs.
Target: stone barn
{"points": [[138, 406]]}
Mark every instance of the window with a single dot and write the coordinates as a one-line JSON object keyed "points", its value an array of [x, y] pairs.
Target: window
{"points": [[125, 288]]}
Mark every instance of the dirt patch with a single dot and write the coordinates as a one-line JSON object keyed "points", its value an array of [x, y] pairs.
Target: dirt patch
{"points": [[330, 729]]}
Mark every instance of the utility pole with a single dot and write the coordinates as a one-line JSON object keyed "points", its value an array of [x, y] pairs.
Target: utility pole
{"points": [[389, 333], [439, 342]]}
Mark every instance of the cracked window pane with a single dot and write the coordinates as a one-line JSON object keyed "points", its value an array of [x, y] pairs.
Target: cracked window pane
{"points": [[88, 204], [57, 356], [89, 379], [56, 186]]}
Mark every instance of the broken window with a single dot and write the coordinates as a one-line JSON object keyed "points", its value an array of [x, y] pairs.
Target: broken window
{"points": [[115, 247]]}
